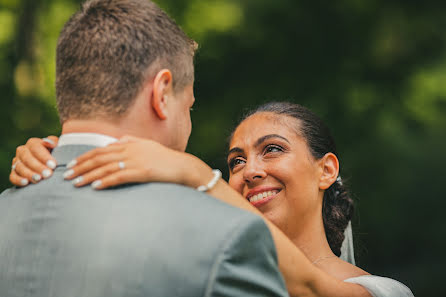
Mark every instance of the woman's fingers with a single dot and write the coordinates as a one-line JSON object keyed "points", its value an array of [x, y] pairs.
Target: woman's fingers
{"points": [[130, 160], [119, 177], [36, 157], [51, 141], [17, 180], [99, 173], [33, 161], [27, 156], [24, 172], [40, 150], [94, 153], [96, 162]]}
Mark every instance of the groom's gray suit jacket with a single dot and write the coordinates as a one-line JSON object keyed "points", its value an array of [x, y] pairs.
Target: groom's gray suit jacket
{"points": [[138, 240]]}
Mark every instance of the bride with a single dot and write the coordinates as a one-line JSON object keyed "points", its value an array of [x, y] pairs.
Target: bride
{"points": [[282, 163]]}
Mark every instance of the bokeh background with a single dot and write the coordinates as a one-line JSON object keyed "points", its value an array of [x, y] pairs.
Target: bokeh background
{"points": [[374, 70]]}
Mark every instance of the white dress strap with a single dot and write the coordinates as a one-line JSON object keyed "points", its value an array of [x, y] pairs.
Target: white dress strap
{"points": [[381, 286]]}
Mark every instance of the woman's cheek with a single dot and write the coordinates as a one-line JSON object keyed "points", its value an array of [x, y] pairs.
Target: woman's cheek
{"points": [[236, 183]]}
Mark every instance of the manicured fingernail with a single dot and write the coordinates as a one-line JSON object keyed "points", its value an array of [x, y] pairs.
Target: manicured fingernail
{"points": [[78, 180], [96, 184], [68, 173], [72, 163], [48, 140], [51, 164], [24, 181], [46, 173], [36, 177]]}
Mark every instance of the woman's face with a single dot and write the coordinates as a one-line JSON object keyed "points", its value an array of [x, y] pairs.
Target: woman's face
{"points": [[272, 167]]}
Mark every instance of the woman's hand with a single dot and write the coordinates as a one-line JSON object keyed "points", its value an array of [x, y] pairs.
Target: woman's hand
{"points": [[33, 161], [136, 160]]}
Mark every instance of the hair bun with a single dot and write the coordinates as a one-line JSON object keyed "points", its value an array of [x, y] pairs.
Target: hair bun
{"points": [[337, 211]]}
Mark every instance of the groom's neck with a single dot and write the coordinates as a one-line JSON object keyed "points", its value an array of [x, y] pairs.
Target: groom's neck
{"points": [[98, 126]]}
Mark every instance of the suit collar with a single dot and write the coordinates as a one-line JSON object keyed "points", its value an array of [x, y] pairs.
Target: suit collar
{"points": [[72, 145], [94, 139]]}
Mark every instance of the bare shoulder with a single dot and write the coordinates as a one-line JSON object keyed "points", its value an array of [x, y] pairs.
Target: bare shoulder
{"points": [[341, 270]]}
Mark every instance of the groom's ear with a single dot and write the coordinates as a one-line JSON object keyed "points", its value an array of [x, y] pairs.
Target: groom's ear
{"points": [[162, 89], [329, 166]]}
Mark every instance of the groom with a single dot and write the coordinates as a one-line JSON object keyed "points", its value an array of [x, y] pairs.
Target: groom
{"points": [[124, 67]]}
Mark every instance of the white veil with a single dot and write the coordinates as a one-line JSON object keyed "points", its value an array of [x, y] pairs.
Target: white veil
{"points": [[347, 252]]}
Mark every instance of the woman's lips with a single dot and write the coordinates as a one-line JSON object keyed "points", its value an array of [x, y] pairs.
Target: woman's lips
{"points": [[262, 197]]}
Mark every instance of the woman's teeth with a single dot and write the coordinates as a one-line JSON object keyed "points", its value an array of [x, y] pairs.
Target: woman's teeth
{"points": [[263, 195]]}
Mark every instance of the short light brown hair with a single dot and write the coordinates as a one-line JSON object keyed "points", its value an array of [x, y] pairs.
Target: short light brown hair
{"points": [[109, 48]]}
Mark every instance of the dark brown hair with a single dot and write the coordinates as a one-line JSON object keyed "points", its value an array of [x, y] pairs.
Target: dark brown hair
{"points": [[109, 48], [337, 207]]}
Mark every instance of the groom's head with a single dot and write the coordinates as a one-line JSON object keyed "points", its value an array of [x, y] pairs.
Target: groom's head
{"points": [[126, 62]]}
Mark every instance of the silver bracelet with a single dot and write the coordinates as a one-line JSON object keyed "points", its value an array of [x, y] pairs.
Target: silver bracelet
{"points": [[212, 183]]}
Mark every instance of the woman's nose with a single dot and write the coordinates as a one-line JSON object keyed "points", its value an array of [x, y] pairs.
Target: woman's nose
{"points": [[253, 171]]}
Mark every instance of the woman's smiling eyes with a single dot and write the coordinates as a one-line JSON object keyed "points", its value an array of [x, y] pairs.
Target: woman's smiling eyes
{"points": [[273, 148], [234, 162], [268, 150]]}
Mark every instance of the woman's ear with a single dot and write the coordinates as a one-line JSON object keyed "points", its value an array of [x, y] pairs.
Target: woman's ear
{"points": [[330, 170], [162, 89]]}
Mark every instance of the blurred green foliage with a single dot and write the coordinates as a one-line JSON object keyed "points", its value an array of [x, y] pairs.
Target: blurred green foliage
{"points": [[374, 70]]}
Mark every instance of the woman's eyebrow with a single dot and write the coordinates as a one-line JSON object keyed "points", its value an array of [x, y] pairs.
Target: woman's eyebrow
{"points": [[266, 137], [258, 142], [235, 150]]}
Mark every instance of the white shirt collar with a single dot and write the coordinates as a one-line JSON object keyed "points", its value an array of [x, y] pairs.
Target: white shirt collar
{"points": [[92, 139]]}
